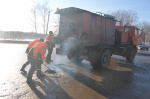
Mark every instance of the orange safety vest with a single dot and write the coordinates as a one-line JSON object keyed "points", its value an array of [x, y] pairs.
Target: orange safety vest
{"points": [[48, 38], [31, 44], [40, 47]]}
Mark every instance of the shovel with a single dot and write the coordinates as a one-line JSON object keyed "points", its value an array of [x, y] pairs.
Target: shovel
{"points": [[49, 70]]}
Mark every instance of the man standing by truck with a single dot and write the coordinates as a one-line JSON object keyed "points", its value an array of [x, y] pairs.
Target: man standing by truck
{"points": [[50, 47], [31, 44]]}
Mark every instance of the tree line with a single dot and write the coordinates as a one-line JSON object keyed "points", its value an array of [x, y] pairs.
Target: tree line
{"points": [[14, 35]]}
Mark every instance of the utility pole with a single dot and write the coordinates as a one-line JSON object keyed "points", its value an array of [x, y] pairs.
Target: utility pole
{"points": [[47, 22]]}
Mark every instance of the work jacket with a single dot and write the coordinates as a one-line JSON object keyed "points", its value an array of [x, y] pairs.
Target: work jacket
{"points": [[48, 38], [31, 44], [38, 51]]}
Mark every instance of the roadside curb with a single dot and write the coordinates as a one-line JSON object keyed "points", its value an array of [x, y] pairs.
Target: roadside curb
{"points": [[15, 41], [145, 54]]}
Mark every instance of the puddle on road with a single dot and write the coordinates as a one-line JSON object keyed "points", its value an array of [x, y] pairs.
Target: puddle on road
{"points": [[114, 65]]}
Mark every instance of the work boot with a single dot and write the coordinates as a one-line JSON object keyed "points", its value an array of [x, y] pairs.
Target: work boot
{"points": [[23, 71], [30, 83], [40, 75], [50, 71]]}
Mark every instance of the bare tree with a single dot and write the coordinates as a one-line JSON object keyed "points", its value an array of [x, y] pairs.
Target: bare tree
{"points": [[145, 28], [129, 17], [34, 13], [55, 20], [43, 10], [148, 35], [144, 25]]}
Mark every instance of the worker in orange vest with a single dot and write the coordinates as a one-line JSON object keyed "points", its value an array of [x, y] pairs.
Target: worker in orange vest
{"points": [[50, 48], [36, 57], [31, 44]]}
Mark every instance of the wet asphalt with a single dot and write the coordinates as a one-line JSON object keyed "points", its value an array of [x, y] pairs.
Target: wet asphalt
{"points": [[120, 80]]}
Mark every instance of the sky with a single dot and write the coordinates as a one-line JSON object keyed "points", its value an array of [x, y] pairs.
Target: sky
{"points": [[15, 15]]}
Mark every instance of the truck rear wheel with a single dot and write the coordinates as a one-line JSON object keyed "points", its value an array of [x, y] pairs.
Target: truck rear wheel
{"points": [[105, 58], [131, 54], [93, 57], [101, 59]]}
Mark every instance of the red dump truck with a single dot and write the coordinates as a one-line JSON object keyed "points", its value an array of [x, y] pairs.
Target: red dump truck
{"points": [[94, 37]]}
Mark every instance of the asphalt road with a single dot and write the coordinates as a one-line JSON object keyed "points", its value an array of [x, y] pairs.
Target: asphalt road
{"points": [[74, 81]]}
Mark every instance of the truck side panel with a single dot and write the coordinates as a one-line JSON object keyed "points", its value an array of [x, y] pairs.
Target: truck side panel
{"points": [[89, 27], [99, 30], [70, 24], [110, 32], [103, 31], [96, 29]]}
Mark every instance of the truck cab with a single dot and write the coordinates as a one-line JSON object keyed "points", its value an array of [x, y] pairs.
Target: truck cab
{"points": [[132, 33]]}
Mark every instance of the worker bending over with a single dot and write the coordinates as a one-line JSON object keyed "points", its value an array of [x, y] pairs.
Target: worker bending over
{"points": [[50, 48], [36, 57], [31, 44]]}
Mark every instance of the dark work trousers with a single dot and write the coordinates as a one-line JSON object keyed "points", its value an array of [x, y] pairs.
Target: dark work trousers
{"points": [[34, 64], [25, 65], [48, 57], [38, 68]]}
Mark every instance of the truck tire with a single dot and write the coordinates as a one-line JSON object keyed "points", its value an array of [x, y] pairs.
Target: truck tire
{"points": [[94, 65], [130, 54], [73, 56], [105, 58], [93, 57], [101, 59]]}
